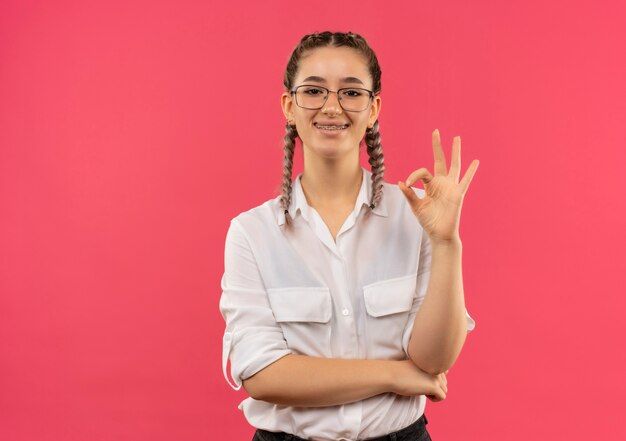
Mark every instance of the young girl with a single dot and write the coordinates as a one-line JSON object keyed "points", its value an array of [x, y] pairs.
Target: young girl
{"points": [[343, 296]]}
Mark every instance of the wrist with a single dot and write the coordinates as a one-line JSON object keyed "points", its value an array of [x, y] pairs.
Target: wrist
{"points": [[453, 242]]}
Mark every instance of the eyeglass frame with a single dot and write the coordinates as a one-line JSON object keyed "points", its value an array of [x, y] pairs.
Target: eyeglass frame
{"points": [[295, 88]]}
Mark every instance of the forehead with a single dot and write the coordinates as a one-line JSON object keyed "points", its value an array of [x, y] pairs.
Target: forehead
{"points": [[333, 64]]}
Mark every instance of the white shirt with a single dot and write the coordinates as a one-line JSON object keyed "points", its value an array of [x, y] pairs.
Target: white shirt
{"points": [[299, 292]]}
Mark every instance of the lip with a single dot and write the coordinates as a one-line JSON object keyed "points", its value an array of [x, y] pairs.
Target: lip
{"points": [[331, 133]]}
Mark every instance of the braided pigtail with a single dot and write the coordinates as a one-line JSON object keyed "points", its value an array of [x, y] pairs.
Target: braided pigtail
{"points": [[289, 142], [377, 162]]}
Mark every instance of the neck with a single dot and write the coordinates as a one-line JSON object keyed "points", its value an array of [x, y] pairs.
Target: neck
{"points": [[331, 183]]}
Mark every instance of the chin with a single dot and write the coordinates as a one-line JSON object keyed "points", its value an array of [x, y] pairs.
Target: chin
{"points": [[332, 152]]}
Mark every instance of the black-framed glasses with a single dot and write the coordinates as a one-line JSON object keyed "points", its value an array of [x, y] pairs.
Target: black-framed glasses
{"points": [[351, 99]]}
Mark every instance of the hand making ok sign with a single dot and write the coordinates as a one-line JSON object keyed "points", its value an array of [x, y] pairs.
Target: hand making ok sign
{"points": [[439, 211]]}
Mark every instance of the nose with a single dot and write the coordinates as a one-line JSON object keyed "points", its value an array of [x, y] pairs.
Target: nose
{"points": [[332, 104]]}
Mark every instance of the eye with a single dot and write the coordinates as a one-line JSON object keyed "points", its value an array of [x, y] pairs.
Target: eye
{"points": [[352, 93], [313, 91]]}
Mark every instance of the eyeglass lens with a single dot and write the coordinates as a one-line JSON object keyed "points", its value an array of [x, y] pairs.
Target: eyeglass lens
{"points": [[313, 97]]}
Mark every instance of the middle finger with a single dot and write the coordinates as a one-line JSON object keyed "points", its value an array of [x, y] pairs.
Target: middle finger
{"points": [[455, 164]]}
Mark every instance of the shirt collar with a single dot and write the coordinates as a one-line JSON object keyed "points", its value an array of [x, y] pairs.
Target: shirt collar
{"points": [[299, 204]]}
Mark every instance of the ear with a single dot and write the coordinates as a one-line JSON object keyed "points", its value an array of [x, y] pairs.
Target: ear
{"points": [[287, 105], [374, 110]]}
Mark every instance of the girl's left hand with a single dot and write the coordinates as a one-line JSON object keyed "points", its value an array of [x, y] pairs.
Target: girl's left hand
{"points": [[439, 211]]}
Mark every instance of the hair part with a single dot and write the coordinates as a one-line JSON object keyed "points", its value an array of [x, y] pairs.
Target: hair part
{"points": [[372, 135]]}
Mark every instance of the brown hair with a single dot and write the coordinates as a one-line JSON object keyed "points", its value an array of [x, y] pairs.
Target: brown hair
{"points": [[372, 135]]}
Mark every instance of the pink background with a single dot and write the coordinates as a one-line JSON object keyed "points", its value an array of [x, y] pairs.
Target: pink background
{"points": [[132, 132]]}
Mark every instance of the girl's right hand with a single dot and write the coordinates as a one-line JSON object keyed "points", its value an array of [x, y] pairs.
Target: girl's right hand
{"points": [[409, 380]]}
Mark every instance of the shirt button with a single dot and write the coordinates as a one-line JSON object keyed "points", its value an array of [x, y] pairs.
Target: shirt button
{"points": [[345, 311]]}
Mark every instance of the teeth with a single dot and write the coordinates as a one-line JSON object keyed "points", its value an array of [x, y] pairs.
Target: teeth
{"points": [[331, 127]]}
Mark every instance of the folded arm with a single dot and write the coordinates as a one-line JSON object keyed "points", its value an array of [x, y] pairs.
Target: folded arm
{"points": [[300, 380]]}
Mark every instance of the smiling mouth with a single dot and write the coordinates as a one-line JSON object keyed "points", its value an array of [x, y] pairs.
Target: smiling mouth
{"points": [[331, 127]]}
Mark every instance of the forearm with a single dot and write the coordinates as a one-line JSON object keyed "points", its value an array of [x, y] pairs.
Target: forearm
{"points": [[299, 380], [440, 326]]}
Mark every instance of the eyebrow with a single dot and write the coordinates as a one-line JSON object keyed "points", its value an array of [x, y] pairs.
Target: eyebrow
{"points": [[322, 80]]}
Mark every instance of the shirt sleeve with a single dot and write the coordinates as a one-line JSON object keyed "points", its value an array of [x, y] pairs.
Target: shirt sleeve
{"points": [[252, 338], [423, 277]]}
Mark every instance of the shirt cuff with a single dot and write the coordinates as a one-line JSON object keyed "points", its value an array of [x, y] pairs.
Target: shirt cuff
{"points": [[249, 352]]}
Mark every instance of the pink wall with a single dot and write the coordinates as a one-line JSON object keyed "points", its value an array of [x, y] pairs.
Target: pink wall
{"points": [[131, 132]]}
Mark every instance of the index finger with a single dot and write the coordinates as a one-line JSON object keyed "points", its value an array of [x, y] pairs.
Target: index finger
{"points": [[440, 157]]}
